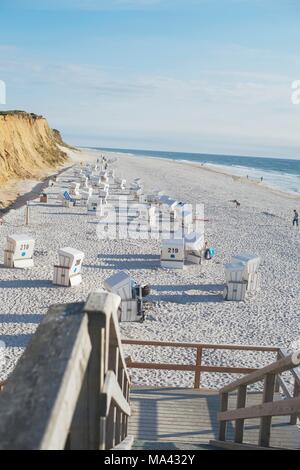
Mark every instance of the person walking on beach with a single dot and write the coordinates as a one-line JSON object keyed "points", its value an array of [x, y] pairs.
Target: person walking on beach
{"points": [[296, 218]]}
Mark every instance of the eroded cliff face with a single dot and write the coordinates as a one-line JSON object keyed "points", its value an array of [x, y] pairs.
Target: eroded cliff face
{"points": [[28, 146]]}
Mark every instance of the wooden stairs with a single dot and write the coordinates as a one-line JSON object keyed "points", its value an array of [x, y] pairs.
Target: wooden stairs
{"points": [[187, 419], [84, 356]]}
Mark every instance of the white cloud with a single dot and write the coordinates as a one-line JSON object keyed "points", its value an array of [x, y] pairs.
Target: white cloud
{"points": [[220, 111]]}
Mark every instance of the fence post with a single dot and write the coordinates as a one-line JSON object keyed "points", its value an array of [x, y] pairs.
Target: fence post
{"points": [[27, 213], [223, 424], [296, 393], [241, 403], [113, 364], [119, 414], [99, 328], [277, 383], [197, 380], [265, 422]]}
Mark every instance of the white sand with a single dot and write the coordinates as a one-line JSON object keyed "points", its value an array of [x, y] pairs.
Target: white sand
{"points": [[185, 305]]}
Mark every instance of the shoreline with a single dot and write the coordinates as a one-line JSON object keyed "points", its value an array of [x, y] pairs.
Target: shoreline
{"points": [[201, 166], [39, 184]]}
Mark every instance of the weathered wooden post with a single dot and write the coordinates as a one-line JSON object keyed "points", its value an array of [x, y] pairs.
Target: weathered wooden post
{"points": [[197, 380], [27, 213], [99, 308]]}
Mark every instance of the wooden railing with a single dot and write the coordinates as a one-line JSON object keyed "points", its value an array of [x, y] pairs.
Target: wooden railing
{"points": [[198, 367], [272, 379], [70, 389]]}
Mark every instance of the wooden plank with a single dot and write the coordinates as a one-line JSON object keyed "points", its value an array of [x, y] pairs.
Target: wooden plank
{"points": [[95, 379], [156, 416], [109, 307], [190, 367], [126, 444], [113, 393], [239, 424], [223, 408], [51, 369], [265, 423], [277, 367], [78, 439], [110, 428], [233, 347], [278, 378], [277, 408], [113, 365], [296, 393], [119, 414], [237, 446], [197, 380], [101, 308], [281, 384]]}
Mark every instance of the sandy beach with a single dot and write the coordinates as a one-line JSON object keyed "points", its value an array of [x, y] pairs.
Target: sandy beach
{"points": [[184, 305]]}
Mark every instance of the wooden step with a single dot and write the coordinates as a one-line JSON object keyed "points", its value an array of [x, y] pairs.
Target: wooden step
{"points": [[161, 445]]}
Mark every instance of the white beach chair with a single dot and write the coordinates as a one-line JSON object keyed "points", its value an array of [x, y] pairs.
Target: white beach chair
{"points": [[236, 284], [18, 252], [130, 293], [68, 271], [95, 205], [251, 275], [172, 253], [74, 189], [194, 245]]}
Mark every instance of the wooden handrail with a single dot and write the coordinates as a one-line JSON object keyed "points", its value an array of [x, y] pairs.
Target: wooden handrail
{"points": [[282, 353], [274, 408], [110, 307], [271, 375], [276, 368], [189, 367], [71, 386], [198, 367], [114, 393], [63, 365], [238, 347]]}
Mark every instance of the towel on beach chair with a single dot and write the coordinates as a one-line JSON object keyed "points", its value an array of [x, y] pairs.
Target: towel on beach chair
{"points": [[68, 197]]}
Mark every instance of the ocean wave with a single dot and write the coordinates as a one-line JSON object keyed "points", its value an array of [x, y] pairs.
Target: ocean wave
{"points": [[277, 173]]}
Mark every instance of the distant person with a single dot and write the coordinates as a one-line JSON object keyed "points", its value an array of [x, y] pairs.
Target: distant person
{"points": [[261, 179], [237, 203], [296, 218]]}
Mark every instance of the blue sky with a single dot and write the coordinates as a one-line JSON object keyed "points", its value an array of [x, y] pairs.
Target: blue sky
{"points": [[196, 75]]}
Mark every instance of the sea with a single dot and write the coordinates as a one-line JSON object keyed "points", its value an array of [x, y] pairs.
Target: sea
{"points": [[278, 173]]}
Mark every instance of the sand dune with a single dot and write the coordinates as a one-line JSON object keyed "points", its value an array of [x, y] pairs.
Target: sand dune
{"points": [[29, 149]]}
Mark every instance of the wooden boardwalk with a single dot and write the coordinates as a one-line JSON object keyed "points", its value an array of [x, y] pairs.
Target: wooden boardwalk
{"points": [[175, 418]]}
